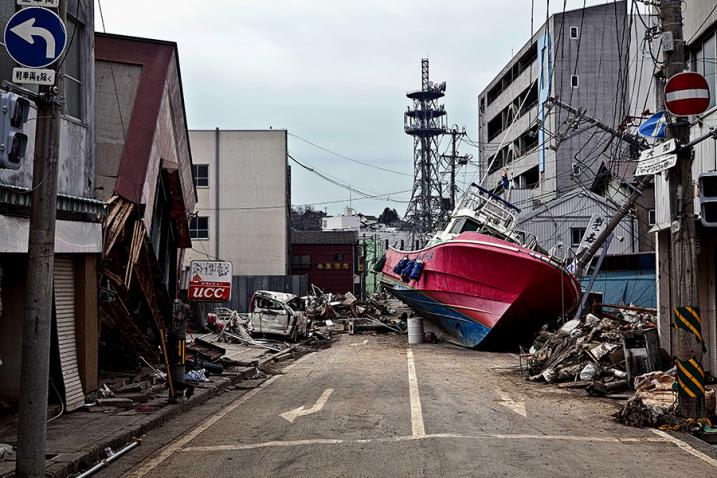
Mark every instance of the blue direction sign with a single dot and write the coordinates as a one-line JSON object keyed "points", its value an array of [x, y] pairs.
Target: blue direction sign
{"points": [[35, 37], [655, 126]]}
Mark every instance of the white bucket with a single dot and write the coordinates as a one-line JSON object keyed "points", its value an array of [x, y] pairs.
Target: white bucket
{"points": [[415, 330]]}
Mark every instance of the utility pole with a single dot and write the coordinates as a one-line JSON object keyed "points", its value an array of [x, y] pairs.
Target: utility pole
{"points": [[35, 365], [687, 346], [453, 157], [637, 144]]}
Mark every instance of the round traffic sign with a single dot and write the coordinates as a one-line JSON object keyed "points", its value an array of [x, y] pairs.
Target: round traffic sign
{"points": [[686, 94], [35, 37]]}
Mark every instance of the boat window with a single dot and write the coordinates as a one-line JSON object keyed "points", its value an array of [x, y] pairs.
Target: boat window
{"points": [[456, 229], [469, 226]]}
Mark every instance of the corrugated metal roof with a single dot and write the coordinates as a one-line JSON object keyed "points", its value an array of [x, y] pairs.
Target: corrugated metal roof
{"points": [[22, 197]]}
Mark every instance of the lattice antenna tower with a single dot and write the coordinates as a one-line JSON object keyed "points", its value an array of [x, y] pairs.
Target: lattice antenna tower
{"points": [[425, 121]]}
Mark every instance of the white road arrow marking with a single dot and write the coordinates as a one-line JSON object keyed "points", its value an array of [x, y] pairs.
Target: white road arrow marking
{"points": [[28, 31], [292, 415], [510, 404]]}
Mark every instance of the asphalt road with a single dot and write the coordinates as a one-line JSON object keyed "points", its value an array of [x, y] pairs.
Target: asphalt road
{"points": [[370, 406]]}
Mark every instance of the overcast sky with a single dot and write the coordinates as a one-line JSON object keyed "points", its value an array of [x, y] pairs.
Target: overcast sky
{"points": [[334, 72]]}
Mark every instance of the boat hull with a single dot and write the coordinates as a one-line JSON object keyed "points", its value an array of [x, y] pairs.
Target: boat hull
{"points": [[484, 291]]}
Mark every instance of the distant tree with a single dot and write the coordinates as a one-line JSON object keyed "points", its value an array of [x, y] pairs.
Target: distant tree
{"points": [[305, 218], [388, 216]]}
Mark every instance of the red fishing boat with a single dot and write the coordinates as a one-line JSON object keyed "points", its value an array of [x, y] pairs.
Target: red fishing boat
{"points": [[482, 281]]}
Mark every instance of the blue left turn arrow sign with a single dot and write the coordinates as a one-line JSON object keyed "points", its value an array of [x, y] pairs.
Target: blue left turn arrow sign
{"points": [[35, 37]]}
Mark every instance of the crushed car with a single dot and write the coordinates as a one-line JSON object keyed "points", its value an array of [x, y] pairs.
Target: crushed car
{"points": [[277, 313]]}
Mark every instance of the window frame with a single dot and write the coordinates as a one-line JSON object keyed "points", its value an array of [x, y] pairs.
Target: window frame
{"points": [[576, 29], [196, 177], [573, 230], [651, 217], [79, 32], [195, 229], [576, 83], [301, 261]]}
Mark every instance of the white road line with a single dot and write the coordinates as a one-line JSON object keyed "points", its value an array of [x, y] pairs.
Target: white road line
{"points": [[416, 412], [515, 407], [292, 415], [356, 344], [331, 441], [177, 445], [686, 447]]}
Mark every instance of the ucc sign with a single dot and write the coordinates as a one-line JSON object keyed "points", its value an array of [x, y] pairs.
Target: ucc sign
{"points": [[210, 281]]}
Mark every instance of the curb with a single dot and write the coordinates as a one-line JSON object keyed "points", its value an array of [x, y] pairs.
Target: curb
{"points": [[73, 463]]}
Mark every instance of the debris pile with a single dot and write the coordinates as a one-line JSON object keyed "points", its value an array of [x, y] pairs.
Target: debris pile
{"points": [[589, 353], [126, 389], [345, 313]]}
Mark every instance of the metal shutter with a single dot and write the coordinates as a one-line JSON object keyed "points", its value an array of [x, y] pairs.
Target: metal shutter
{"points": [[65, 316]]}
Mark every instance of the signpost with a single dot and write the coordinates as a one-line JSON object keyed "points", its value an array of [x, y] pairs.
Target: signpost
{"points": [[655, 165], [596, 225], [686, 94], [35, 38], [657, 158], [654, 126], [210, 281]]}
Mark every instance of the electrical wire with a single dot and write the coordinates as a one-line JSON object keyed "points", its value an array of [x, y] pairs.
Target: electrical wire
{"points": [[338, 155]]}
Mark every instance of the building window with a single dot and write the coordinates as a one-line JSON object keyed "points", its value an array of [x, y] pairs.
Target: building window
{"points": [[704, 63], [302, 261], [574, 33], [651, 217], [574, 81], [199, 227], [200, 173], [576, 235], [73, 69]]}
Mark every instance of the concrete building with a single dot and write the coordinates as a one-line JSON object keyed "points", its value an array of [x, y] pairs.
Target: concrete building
{"points": [[588, 58], [347, 221], [700, 33], [243, 190], [78, 241]]}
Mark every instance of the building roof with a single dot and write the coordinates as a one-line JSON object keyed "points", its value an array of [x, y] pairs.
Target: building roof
{"points": [[152, 143], [578, 193], [159, 61], [324, 237]]}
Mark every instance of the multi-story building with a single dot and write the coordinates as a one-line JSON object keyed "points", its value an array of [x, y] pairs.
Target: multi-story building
{"points": [[582, 57], [700, 34], [78, 235], [243, 191]]}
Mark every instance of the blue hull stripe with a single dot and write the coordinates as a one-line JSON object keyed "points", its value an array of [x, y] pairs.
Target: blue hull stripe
{"points": [[464, 329]]}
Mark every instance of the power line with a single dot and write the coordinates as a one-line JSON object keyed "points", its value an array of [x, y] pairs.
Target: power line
{"points": [[346, 157]]}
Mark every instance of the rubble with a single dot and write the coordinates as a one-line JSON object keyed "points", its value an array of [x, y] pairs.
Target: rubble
{"points": [[610, 354], [345, 313], [591, 351]]}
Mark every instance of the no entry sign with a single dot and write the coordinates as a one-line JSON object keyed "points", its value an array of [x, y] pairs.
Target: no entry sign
{"points": [[686, 94], [210, 281]]}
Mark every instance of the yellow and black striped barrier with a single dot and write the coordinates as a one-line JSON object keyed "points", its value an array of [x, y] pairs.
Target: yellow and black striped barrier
{"points": [[690, 378], [688, 319]]}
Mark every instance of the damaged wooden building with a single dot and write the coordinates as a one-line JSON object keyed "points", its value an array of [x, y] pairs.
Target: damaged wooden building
{"points": [[144, 172]]}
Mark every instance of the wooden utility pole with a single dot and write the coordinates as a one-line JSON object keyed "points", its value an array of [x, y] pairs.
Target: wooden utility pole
{"points": [[687, 345], [35, 365]]}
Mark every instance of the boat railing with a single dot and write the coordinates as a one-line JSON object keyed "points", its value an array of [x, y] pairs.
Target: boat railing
{"points": [[528, 239], [491, 209]]}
